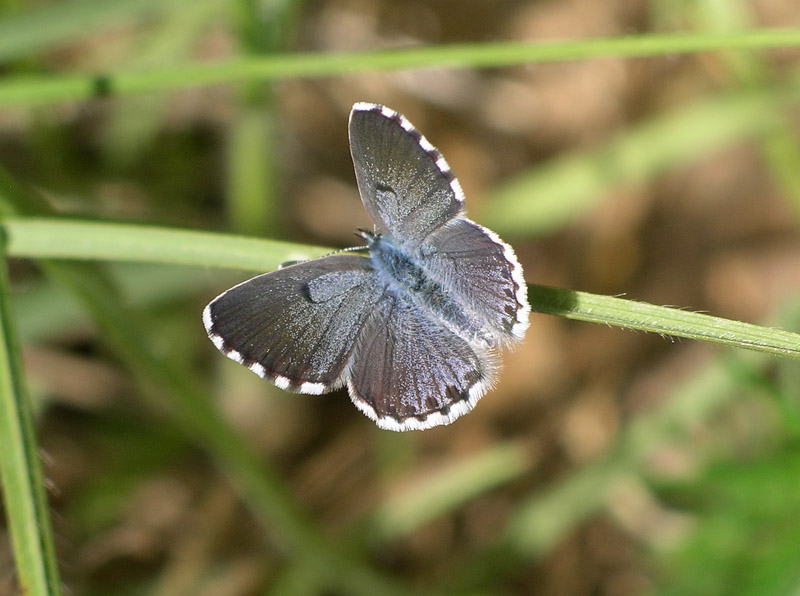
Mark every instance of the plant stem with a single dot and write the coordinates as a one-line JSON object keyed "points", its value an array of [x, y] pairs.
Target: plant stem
{"points": [[60, 239], [41, 89], [24, 497]]}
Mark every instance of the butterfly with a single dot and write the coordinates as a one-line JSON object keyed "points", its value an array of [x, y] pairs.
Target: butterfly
{"points": [[411, 322]]}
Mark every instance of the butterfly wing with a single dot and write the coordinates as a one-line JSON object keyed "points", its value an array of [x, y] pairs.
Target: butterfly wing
{"points": [[483, 272], [409, 372], [405, 184], [296, 326]]}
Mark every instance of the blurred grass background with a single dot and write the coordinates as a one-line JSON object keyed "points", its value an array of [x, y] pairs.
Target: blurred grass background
{"points": [[604, 463]]}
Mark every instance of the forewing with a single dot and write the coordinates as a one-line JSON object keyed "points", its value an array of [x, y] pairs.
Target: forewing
{"points": [[296, 326], [409, 372], [483, 272], [406, 185]]}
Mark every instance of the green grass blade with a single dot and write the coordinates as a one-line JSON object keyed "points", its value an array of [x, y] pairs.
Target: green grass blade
{"points": [[30, 90], [133, 124], [55, 238], [450, 488], [542, 520], [779, 143], [49, 310], [554, 193], [252, 203], [24, 497], [40, 29], [85, 240], [663, 320]]}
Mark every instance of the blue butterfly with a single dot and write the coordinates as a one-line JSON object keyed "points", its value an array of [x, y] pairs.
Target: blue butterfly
{"points": [[412, 321]]}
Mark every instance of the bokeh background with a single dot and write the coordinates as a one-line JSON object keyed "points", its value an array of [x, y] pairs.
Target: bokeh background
{"points": [[606, 462]]}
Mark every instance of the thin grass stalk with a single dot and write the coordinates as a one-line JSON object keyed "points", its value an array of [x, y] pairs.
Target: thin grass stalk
{"points": [[24, 496], [30, 90]]}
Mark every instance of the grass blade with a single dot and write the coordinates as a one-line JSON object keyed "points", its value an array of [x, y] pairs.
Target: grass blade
{"points": [[663, 320], [24, 496], [552, 194], [32, 90], [55, 238], [86, 240], [49, 310], [40, 29], [546, 517], [449, 488]]}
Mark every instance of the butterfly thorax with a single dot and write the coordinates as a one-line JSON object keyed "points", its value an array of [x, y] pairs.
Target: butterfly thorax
{"points": [[408, 280]]}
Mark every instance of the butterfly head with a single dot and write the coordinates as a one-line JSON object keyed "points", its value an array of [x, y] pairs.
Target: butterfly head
{"points": [[368, 236]]}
